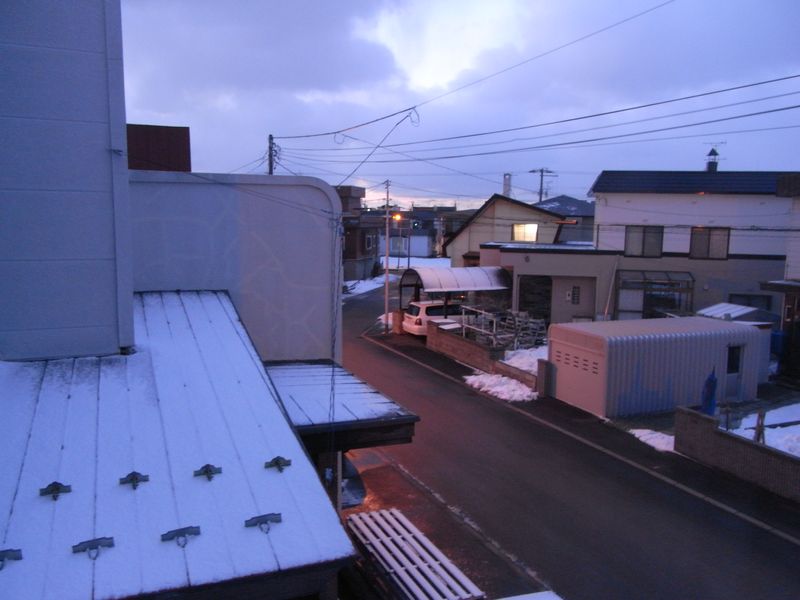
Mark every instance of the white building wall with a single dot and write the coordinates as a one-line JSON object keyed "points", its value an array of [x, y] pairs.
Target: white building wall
{"points": [[64, 257], [679, 212], [793, 244], [272, 242]]}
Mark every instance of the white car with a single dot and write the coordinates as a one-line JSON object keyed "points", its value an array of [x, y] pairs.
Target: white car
{"points": [[418, 314]]}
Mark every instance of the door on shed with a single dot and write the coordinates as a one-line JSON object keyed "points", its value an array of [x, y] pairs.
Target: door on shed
{"points": [[733, 374]]}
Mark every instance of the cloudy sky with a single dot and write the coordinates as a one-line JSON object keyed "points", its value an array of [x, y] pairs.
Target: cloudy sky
{"points": [[236, 72]]}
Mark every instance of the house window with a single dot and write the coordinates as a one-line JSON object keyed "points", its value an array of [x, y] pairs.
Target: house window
{"points": [[575, 296], [524, 232], [369, 241], [761, 301], [709, 242], [643, 240]]}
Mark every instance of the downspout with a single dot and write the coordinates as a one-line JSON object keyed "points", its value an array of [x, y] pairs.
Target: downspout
{"points": [[611, 288]]}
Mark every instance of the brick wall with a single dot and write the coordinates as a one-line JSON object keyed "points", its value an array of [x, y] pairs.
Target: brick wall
{"points": [[699, 437], [475, 355]]}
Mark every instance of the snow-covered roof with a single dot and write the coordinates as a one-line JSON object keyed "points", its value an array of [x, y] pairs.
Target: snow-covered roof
{"points": [[722, 309], [193, 394], [456, 279], [686, 327], [305, 389]]}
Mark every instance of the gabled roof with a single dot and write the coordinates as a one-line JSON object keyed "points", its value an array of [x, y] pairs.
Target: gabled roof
{"points": [[193, 394], [688, 182], [495, 198], [567, 206]]}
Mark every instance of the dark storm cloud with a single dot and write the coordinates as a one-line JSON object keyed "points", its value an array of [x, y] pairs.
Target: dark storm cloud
{"points": [[276, 46]]}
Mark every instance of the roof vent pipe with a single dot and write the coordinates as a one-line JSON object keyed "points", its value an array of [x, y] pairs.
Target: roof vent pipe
{"points": [[507, 185], [712, 160]]}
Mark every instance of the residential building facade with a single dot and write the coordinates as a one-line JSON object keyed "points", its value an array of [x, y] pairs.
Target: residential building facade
{"points": [[665, 242], [501, 219]]}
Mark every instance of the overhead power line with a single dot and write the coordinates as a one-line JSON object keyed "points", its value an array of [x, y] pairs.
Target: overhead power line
{"points": [[481, 79], [588, 116], [578, 142]]}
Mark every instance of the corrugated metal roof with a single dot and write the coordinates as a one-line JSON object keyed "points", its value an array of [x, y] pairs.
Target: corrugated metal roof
{"points": [[648, 327], [688, 182], [306, 393], [193, 394], [460, 279]]}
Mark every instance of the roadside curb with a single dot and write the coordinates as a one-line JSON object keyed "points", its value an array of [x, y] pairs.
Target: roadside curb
{"points": [[596, 446]]}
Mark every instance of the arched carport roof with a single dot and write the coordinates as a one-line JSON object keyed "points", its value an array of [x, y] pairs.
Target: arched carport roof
{"points": [[432, 280]]}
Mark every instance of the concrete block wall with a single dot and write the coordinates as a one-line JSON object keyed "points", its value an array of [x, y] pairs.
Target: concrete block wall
{"points": [[475, 355], [698, 436], [461, 349]]}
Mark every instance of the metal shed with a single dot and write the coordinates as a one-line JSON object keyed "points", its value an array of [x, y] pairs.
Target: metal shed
{"points": [[621, 368]]}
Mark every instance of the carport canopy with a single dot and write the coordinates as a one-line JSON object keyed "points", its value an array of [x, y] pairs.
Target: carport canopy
{"points": [[447, 280]]}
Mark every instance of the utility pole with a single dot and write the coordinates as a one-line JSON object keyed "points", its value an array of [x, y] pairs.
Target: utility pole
{"points": [[270, 154], [542, 172], [386, 267]]}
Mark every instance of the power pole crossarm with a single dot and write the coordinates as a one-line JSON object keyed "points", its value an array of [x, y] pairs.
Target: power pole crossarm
{"points": [[271, 154], [542, 172]]}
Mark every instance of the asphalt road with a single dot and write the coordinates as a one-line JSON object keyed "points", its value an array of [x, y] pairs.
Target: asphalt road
{"points": [[590, 525]]}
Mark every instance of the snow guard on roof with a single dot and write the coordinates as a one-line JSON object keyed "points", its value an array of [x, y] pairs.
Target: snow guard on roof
{"points": [[455, 279]]}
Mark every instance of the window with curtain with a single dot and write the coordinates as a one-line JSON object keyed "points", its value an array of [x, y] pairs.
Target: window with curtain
{"points": [[644, 240], [709, 242], [524, 232]]}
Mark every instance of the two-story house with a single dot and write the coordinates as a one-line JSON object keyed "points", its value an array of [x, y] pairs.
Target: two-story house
{"points": [[665, 242]]}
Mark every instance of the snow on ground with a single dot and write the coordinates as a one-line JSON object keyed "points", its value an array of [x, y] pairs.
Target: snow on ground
{"points": [[362, 286], [506, 388], [501, 387], [402, 261], [781, 438], [526, 359], [660, 441]]}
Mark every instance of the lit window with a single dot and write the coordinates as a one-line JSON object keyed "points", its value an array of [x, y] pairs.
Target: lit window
{"points": [[524, 232], [709, 242], [643, 240]]}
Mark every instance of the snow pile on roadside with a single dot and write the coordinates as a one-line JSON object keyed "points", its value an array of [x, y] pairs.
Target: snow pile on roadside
{"points": [[662, 442], [501, 387], [386, 318], [362, 286], [786, 439], [526, 359]]}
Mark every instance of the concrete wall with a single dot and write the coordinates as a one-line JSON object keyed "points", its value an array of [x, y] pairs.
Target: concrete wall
{"points": [[495, 225], [271, 242], [64, 250], [679, 212], [698, 436], [566, 267], [565, 307]]}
